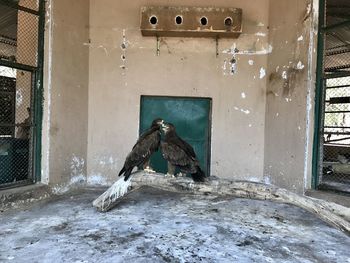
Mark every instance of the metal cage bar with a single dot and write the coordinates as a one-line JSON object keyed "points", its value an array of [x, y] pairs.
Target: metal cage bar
{"points": [[331, 151]]}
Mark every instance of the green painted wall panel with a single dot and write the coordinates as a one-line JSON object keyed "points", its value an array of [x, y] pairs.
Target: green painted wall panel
{"points": [[192, 119]]}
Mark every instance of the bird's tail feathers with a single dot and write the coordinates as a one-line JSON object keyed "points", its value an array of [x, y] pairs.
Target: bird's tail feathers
{"points": [[122, 171], [127, 174], [198, 176]]}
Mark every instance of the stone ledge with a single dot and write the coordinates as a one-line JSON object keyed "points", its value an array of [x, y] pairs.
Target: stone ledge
{"points": [[20, 196]]}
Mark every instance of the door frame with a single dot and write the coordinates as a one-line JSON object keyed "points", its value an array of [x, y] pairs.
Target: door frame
{"points": [[209, 120], [319, 95]]}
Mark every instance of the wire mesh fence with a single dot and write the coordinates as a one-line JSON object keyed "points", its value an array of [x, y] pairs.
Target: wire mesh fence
{"points": [[19, 33], [337, 55], [15, 125], [336, 132]]}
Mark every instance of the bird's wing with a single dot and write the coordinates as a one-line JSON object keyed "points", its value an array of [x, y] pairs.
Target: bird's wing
{"points": [[144, 135], [185, 146], [143, 149], [175, 154]]}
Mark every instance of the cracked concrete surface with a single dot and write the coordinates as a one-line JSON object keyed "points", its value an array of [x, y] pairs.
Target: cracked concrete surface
{"points": [[156, 226]]}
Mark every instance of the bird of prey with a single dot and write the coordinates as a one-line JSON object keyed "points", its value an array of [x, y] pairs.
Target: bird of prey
{"points": [[146, 145], [179, 154]]}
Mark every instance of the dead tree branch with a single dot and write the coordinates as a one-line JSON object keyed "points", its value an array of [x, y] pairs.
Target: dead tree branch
{"points": [[333, 214]]}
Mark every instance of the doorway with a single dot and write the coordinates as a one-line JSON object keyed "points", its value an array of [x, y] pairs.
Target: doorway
{"points": [[192, 119]]}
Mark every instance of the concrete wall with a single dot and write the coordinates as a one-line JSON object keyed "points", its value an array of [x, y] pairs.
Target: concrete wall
{"points": [[66, 91], [185, 67], [290, 93], [262, 114]]}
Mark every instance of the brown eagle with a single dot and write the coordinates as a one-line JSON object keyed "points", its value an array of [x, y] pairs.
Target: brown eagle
{"points": [[179, 154], [146, 145]]}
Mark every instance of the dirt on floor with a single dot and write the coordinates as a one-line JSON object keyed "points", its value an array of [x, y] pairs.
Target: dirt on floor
{"points": [[156, 226]]}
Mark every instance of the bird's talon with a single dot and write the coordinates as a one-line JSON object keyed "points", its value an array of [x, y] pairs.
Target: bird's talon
{"points": [[149, 170]]}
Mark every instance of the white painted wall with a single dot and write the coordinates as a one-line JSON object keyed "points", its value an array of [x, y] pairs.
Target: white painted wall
{"points": [[185, 67], [290, 94], [65, 92], [261, 117]]}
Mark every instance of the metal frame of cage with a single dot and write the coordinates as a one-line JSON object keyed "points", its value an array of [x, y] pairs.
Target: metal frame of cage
{"points": [[36, 91], [324, 104]]}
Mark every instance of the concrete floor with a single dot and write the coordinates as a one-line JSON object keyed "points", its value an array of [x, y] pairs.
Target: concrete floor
{"points": [[156, 226]]}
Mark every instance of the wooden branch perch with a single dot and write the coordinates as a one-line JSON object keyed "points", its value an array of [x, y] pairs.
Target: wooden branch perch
{"points": [[333, 214]]}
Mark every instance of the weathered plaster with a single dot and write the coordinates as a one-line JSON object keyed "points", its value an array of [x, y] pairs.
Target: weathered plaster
{"points": [[66, 91], [291, 74], [97, 65], [124, 65]]}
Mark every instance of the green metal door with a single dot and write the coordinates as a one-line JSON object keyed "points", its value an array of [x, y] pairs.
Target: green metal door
{"points": [[192, 119]]}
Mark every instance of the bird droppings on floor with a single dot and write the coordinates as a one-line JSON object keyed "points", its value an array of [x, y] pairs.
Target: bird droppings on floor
{"points": [[156, 226]]}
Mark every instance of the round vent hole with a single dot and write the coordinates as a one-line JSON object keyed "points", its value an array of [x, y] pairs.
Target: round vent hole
{"points": [[204, 21], [153, 20], [228, 21], [178, 20]]}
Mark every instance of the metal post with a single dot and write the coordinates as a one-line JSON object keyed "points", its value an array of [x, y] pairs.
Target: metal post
{"points": [[318, 97], [38, 99]]}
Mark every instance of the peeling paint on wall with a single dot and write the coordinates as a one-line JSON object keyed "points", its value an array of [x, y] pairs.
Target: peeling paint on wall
{"points": [[75, 182], [262, 73], [284, 74], [47, 96], [309, 97], [97, 179], [253, 51], [77, 166], [300, 65], [231, 64], [242, 110]]}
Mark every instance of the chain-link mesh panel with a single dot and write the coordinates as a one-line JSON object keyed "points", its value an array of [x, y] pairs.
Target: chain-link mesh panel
{"points": [[27, 39], [15, 125], [8, 33], [19, 32], [335, 140], [337, 11], [337, 55], [31, 4], [18, 35], [336, 131]]}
